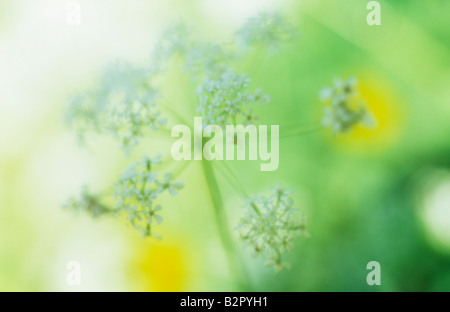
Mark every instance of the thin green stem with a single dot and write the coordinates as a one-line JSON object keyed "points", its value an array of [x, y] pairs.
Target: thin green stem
{"points": [[259, 63], [180, 170], [234, 181], [290, 67], [256, 61], [231, 182], [240, 186], [161, 133], [299, 130], [256, 209], [234, 260], [179, 118]]}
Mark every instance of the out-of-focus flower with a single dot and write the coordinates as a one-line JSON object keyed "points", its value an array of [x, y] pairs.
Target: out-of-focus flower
{"points": [[345, 108], [270, 224], [124, 105], [174, 41], [169, 185], [205, 59], [89, 203], [137, 191], [268, 29], [227, 101]]}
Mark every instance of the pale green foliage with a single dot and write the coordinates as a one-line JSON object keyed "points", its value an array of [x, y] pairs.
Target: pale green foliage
{"points": [[270, 224], [345, 108]]}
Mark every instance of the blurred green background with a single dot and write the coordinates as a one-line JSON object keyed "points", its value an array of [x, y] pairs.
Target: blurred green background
{"points": [[374, 195]]}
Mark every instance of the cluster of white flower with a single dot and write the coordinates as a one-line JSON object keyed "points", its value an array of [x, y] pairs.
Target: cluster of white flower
{"points": [[88, 203], [268, 30], [270, 224], [345, 108], [136, 192], [206, 59], [123, 106], [174, 41], [227, 101], [135, 195]]}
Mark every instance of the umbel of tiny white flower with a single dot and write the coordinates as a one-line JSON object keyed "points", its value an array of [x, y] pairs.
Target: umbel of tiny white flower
{"points": [[227, 101], [345, 108], [268, 30], [171, 186], [174, 41], [204, 59], [200, 58], [270, 224], [136, 193], [87, 202], [124, 105]]}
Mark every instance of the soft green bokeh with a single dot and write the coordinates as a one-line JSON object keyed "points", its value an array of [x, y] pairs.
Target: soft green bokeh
{"points": [[373, 195]]}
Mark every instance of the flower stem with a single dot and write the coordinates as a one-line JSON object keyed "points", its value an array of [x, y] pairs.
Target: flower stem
{"points": [[233, 180], [234, 260], [299, 130]]}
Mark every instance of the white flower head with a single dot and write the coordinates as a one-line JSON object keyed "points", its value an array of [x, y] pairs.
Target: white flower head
{"points": [[345, 108], [124, 105], [137, 191], [270, 225], [268, 30], [227, 100]]}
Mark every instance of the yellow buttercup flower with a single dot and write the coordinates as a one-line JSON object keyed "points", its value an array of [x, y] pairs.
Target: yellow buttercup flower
{"points": [[160, 266], [385, 108]]}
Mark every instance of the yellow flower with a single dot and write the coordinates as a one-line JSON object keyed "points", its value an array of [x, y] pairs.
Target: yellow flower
{"points": [[159, 266], [385, 108]]}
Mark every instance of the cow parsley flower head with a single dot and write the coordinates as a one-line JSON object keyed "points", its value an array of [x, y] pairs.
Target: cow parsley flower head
{"points": [[167, 184], [174, 41], [124, 105], [268, 29], [136, 193], [345, 108], [270, 224], [87, 202], [228, 101], [204, 59]]}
